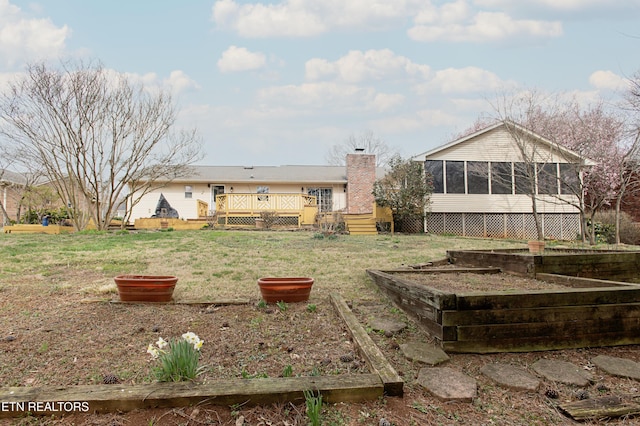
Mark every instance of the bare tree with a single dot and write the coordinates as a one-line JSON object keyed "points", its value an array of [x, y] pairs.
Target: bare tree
{"points": [[515, 112], [93, 131], [368, 142]]}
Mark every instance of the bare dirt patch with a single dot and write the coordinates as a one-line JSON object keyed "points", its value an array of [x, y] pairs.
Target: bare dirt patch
{"points": [[65, 341], [465, 282], [86, 340]]}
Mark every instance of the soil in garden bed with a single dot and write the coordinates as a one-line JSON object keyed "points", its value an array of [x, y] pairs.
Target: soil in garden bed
{"points": [[59, 341], [471, 282]]}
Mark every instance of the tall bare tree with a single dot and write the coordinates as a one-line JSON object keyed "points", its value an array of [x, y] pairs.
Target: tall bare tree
{"points": [[92, 131], [515, 111], [368, 142]]}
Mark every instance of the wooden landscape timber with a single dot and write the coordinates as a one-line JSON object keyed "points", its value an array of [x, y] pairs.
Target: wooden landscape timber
{"points": [[589, 312], [122, 398], [393, 383], [602, 407], [46, 400], [608, 265]]}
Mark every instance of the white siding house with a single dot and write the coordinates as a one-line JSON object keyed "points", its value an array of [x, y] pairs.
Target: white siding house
{"points": [[188, 196], [480, 190]]}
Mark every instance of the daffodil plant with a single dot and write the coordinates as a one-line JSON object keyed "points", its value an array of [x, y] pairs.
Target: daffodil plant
{"points": [[178, 358]]}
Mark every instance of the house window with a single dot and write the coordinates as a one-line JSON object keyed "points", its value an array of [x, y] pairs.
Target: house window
{"points": [[324, 198], [478, 177], [522, 176], [501, 179], [434, 168], [547, 178], [455, 177], [569, 179], [263, 190], [188, 191]]}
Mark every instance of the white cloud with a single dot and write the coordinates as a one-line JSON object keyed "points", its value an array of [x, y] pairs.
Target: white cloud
{"points": [[316, 95], [448, 13], [240, 59], [421, 119], [179, 82], [608, 80], [563, 5], [304, 18], [259, 20], [22, 38], [456, 24], [176, 83], [385, 101], [357, 66], [464, 80], [330, 96], [459, 20]]}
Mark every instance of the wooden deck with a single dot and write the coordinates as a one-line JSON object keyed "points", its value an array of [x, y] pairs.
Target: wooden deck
{"points": [[246, 210]]}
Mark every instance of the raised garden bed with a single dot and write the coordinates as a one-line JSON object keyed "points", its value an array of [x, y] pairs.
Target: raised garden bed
{"points": [[502, 313], [608, 265], [236, 338]]}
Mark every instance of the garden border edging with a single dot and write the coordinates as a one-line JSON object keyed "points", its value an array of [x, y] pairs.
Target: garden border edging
{"points": [[110, 398]]}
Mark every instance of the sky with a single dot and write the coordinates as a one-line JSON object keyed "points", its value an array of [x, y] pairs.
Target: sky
{"points": [[280, 82]]}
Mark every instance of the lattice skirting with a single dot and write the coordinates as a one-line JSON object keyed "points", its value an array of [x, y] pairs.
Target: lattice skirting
{"points": [[504, 225], [412, 225], [251, 221]]}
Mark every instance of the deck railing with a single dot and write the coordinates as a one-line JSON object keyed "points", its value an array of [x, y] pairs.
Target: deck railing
{"points": [[256, 203], [244, 208]]}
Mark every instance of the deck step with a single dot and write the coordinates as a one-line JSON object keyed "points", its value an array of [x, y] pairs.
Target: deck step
{"points": [[361, 224]]}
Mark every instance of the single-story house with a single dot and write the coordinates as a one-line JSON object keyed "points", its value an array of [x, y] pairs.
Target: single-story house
{"points": [[479, 190], [238, 194]]}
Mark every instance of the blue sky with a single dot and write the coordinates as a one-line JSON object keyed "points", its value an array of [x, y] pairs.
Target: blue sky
{"points": [[280, 82]]}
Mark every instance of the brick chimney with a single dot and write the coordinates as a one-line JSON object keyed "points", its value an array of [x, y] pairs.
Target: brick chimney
{"points": [[361, 174]]}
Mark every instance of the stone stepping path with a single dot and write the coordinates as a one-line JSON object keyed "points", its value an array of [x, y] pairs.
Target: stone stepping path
{"points": [[563, 372], [511, 376], [387, 325], [424, 352], [621, 367], [448, 384]]}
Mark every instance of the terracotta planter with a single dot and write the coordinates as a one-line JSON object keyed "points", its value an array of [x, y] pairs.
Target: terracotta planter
{"points": [[289, 289], [146, 288], [536, 246]]}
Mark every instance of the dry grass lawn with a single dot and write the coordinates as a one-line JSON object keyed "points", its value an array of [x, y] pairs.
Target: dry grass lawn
{"points": [[47, 336]]}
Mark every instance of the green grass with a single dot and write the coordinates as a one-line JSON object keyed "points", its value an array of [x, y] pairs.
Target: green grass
{"points": [[217, 264]]}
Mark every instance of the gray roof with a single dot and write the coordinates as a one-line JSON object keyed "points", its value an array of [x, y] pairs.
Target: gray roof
{"points": [[272, 174], [9, 177]]}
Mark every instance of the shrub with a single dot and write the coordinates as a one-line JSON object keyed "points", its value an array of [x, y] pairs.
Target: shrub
{"points": [[269, 218], [55, 216], [605, 228]]}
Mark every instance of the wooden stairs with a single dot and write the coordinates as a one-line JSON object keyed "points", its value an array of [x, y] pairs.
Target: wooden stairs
{"points": [[360, 224]]}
